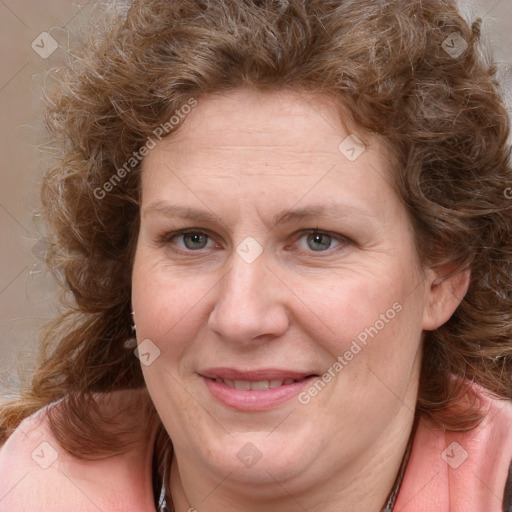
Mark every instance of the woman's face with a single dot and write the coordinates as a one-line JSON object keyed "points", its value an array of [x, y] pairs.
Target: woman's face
{"points": [[276, 293]]}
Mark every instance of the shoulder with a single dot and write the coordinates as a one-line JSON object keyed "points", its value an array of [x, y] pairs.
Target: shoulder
{"points": [[499, 434], [487, 455], [37, 474], [457, 470]]}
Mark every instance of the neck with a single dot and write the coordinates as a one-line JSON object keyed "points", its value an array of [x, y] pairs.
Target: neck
{"points": [[376, 469]]}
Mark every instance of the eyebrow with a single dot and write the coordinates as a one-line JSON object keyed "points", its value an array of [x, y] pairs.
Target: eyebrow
{"points": [[311, 212], [335, 211], [169, 210]]}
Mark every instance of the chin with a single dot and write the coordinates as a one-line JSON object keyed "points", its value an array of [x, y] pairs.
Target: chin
{"points": [[254, 460]]}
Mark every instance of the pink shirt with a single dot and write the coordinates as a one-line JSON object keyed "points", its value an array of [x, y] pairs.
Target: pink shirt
{"points": [[455, 472], [447, 472]]}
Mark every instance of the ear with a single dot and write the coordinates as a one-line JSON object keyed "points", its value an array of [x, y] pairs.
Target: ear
{"points": [[446, 286]]}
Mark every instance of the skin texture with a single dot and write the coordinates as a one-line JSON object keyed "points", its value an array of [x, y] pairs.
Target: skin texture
{"points": [[244, 158]]}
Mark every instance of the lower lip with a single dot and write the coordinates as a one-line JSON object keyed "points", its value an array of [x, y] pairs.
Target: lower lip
{"points": [[257, 400]]}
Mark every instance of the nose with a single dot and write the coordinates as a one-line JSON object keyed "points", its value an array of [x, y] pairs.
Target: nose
{"points": [[250, 304]]}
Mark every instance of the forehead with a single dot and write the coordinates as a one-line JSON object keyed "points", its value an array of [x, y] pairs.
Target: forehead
{"points": [[290, 122], [267, 145], [253, 117]]}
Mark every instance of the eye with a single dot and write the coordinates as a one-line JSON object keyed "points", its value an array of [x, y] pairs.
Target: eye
{"points": [[317, 241], [192, 240]]}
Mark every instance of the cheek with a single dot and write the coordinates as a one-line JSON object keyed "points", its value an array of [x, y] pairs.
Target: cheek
{"points": [[371, 331], [377, 300], [167, 304]]}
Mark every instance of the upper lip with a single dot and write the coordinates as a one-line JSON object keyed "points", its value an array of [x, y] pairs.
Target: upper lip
{"points": [[255, 375]]}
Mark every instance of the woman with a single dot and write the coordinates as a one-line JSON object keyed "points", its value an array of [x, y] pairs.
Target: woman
{"points": [[298, 209]]}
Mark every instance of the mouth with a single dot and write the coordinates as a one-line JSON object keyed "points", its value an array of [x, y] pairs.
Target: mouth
{"points": [[247, 385], [255, 390]]}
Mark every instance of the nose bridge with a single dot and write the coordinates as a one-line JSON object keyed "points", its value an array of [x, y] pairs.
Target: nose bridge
{"points": [[247, 302], [244, 286]]}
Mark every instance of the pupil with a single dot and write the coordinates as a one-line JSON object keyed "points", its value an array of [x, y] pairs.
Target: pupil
{"points": [[194, 240], [319, 241]]}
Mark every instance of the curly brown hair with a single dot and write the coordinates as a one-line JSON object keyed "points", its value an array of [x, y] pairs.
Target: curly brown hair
{"points": [[386, 62]]}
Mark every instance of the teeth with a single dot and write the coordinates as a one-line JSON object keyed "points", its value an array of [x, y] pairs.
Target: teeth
{"points": [[262, 384], [245, 385]]}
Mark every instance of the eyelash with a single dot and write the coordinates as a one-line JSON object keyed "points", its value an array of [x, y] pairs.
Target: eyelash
{"points": [[166, 239]]}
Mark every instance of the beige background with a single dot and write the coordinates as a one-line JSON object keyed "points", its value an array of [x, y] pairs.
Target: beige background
{"points": [[27, 293]]}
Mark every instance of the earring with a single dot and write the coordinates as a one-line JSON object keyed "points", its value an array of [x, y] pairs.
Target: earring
{"points": [[131, 343]]}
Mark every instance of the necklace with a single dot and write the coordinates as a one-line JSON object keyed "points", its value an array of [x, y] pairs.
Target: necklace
{"points": [[393, 495], [165, 503]]}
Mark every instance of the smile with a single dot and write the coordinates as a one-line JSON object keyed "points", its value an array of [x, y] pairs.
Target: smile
{"points": [[247, 385], [257, 390]]}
